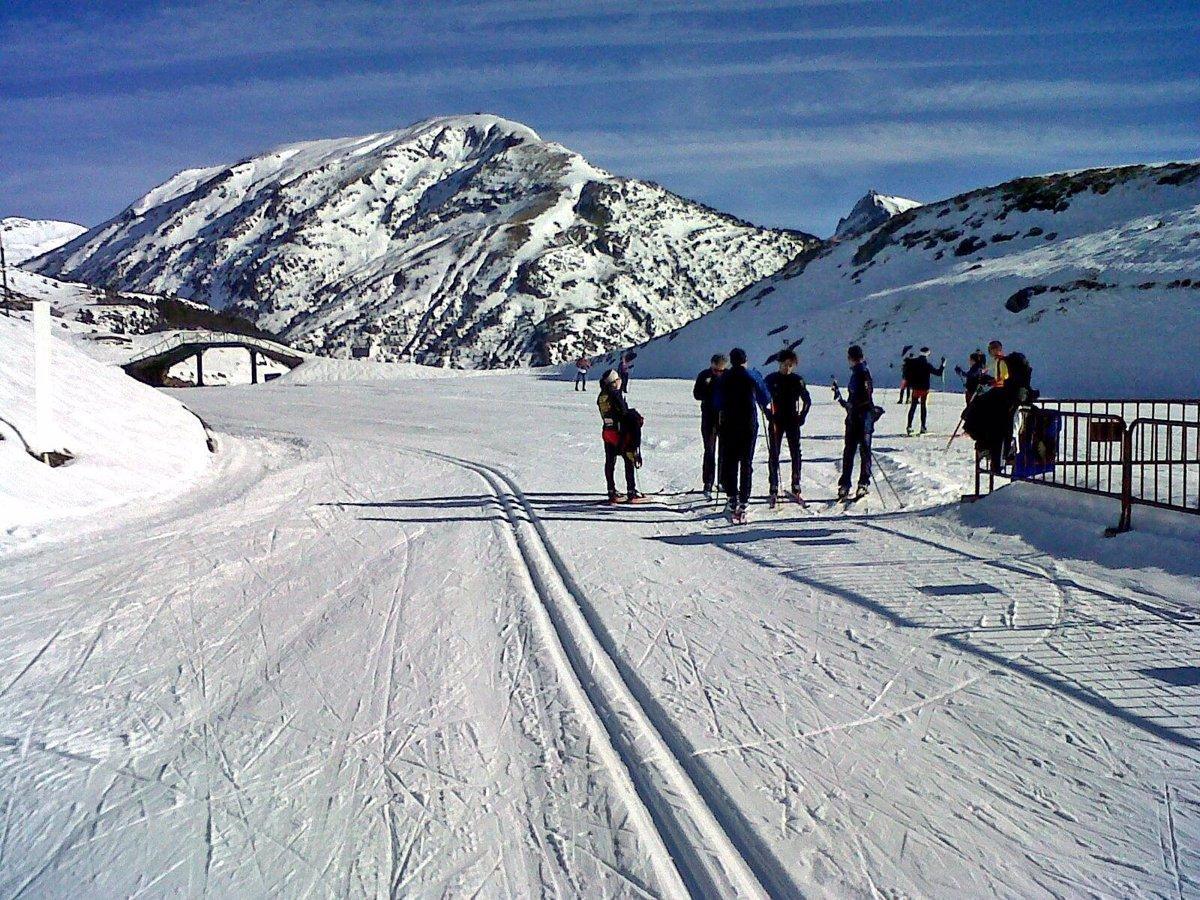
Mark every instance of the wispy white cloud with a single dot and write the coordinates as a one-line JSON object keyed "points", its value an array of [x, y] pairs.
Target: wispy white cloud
{"points": [[874, 144]]}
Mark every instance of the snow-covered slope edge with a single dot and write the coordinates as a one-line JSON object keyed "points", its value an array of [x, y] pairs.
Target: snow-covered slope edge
{"points": [[27, 238], [131, 443], [1095, 275], [467, 241]]}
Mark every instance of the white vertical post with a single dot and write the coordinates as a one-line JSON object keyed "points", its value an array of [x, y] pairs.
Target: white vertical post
{"points": [[43, 388]]}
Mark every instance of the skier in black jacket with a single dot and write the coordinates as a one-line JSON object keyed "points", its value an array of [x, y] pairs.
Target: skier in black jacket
{"points": [[790, 403], [706, 383], [917, 373], [740, 394]]}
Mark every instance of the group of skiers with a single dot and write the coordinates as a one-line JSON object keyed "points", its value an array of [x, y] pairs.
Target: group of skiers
{"points": [[733, 396]]}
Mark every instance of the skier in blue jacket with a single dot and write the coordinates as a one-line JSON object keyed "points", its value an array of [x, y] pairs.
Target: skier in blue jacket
{"points": [[739, 395]]}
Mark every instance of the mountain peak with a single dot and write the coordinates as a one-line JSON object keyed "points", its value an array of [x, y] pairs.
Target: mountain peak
{"points": [[462, 240], [871, 211]]}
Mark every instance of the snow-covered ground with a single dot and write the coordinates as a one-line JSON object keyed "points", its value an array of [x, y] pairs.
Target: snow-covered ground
{"points": [[130, 443], [391, 644]]}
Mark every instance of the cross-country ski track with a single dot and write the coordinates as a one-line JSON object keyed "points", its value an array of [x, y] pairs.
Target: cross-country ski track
{"points": [[391, 645]]}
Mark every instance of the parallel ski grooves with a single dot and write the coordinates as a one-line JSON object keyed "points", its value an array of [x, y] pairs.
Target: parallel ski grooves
{"points": [[671, 811]]}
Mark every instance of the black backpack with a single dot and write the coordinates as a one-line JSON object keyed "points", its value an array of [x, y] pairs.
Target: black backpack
{"points": [[631, 436], [1020, 373]]}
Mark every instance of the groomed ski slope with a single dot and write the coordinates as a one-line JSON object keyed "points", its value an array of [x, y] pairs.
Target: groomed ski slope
{"points": [[390, 644]]}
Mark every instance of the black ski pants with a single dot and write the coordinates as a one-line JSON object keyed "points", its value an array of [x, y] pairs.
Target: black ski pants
{"points": [[918, 399], [708, 434], [737, 462], [858, 440], [581, 381], [611, 455], [775, 437]]}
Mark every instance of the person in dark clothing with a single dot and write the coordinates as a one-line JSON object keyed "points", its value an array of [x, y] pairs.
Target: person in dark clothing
{"points": [[581, 369], [613, 413], [905, 357], [790, 403], [976, 378], [703, 391], [739, 395], [917, 376], [625, 369], [860, 422]]}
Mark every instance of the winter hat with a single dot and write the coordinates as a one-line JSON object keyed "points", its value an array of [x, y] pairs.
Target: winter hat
{"points": [[737, 356], [925, 351]]}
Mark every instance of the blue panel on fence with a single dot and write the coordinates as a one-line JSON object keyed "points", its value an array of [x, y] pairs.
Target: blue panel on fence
{"points": [[1037, 445]]}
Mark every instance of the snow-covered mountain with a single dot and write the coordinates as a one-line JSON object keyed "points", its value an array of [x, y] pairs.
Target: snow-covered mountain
{"points": [[1095, 275], [871, 211], [27, 238], [466, 241]]}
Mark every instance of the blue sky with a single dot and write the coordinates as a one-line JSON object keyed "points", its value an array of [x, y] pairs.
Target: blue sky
{"points": [[781, 112]]}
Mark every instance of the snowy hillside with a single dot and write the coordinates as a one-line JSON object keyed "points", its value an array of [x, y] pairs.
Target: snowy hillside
{"points": [[871, 211], [103, 314], [1095, 275], [129, 441], [27, 238], [466, 240]]}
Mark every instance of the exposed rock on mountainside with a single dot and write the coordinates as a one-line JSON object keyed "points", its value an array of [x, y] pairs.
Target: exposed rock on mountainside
{"points": [[466, 241]]}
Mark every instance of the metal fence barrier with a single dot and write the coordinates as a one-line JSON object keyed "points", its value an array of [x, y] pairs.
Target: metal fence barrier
{"points": [[1143, 452]]}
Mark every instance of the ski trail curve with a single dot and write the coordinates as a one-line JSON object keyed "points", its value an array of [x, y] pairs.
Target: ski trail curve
{"points": [[693, 855]]}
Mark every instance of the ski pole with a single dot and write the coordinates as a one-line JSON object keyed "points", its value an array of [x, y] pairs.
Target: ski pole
{"points": [[886, 478], [953, 436]]}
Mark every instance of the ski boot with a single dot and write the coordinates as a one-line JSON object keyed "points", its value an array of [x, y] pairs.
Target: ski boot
{"points": [[861, 492], [739, 515], [615, 499], [636, 497], [772, 501], [843, 493]]}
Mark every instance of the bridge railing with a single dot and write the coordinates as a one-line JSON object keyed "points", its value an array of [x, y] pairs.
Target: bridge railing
{"points": [[210, 337]]}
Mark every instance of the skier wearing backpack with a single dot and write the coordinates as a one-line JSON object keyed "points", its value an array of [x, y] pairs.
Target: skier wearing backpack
{"points": [[990, 416], [704, 391], [790, 402], [861, 414], [997, 366], [615, 416], [740, 393], [918, 372]]}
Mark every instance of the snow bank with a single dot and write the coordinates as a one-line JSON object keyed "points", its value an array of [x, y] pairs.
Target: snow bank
{"points": [[318, 370], [130, 442], [1071, 525]]}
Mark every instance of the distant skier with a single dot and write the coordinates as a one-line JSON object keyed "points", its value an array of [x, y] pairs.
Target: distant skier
{"points": [[581, 369], [625, 369], [615, 415], [790, 402], [739, 394], [861, 414], [975, 378], [919, 372], [704, 391], [905, 356]]}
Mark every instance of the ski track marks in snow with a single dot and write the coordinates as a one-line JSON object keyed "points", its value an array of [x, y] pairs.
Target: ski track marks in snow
{"points": [[341, 667]]}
